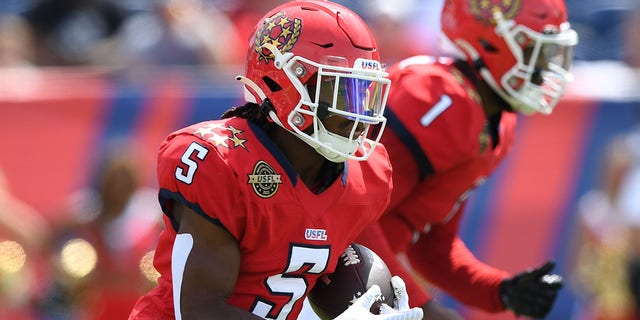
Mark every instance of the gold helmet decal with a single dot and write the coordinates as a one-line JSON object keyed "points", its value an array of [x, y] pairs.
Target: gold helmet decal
{"points": [[279, 30], [484, 9]]}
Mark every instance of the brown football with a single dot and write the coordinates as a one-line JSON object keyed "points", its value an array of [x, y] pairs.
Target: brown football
{"points": [[358, 269]]}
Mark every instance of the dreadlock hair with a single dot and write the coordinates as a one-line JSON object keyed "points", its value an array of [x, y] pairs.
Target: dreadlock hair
{"points": [[256, 113], [247, 111]]}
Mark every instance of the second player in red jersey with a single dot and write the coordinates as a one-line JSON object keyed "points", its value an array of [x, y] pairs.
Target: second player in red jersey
{"points": [[451, 121]]}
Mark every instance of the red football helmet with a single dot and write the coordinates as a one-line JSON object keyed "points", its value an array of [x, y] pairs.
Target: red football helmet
{"points": [[313, 59], [522, 48]]}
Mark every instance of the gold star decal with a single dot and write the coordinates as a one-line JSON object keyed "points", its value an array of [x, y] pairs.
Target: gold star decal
{"points": [[276, 43], [285, 32], [219, 135], [283, 21], [234, 131], [237, 142]]}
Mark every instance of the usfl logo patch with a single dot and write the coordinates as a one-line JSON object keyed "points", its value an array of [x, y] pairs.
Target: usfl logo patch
{"points": [[264, 180]]}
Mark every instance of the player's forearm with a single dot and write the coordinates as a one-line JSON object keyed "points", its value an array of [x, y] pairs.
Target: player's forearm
{"points": [[453, 268]]}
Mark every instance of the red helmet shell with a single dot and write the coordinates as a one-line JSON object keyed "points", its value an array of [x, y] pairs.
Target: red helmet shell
{"points": [[472, 21], [310, 29]]}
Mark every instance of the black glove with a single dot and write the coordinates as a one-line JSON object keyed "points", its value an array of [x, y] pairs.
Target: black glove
{"points": [[531, 293]]}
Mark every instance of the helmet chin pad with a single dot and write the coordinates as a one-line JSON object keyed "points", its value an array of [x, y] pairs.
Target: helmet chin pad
{"points": [[335, 147]]}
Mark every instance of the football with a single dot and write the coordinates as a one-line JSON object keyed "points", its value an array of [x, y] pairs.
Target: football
{"points": [[358, 269]]}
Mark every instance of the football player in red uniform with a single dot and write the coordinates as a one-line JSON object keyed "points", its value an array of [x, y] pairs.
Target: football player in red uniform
{"points": [[262, 203], [450, 122]]}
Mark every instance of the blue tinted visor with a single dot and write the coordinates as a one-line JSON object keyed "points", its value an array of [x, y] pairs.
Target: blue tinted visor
{"points": [[352, 98]]}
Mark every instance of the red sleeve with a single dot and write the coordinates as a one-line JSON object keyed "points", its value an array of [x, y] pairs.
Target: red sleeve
{"points": [[437, 108], [375, 239], [457, 270], [191, 171]]}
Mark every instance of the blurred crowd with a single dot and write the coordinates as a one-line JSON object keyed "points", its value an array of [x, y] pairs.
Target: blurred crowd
{"points": [[606, 246], [138, 33], [95, 263], [122, 34]]}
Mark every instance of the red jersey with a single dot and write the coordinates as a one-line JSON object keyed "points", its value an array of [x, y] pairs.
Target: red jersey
{"points": [[441, 146], [287, 235]]}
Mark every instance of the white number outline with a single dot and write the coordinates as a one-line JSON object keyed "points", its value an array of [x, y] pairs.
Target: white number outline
{"points": [[200, 153], [312, 258]]}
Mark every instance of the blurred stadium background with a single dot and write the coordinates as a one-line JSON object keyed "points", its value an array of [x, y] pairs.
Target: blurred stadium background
{"points": [[74, 88]]}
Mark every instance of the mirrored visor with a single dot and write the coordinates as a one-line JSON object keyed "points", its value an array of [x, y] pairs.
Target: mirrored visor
{"points": [[551, 50], [557, 55], [351, 97]]}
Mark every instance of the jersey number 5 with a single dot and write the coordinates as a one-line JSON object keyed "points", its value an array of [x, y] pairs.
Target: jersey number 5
{"points": [[292, 282], [200, 152]]}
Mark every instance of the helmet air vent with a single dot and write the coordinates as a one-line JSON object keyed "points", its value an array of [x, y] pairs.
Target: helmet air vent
{"points": [[273, 86], [488, 46]]}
